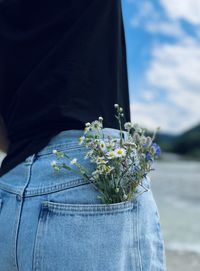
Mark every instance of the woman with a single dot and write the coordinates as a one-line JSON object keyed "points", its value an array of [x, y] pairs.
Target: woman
{"points": [[64, 64]]}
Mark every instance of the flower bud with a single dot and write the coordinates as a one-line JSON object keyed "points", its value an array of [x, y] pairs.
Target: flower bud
{"points": [[136, 136], [127, 125], [125, 196], [148, 140]]}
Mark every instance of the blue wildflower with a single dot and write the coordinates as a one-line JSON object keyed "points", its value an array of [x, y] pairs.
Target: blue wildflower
{"points": [[148, 156], [157, 149]]}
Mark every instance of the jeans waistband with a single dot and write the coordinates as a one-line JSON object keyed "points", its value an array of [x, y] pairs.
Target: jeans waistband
{"points": [[69, 139], [23, 178]]}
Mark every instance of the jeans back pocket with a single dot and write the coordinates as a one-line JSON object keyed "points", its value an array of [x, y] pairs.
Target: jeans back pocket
{"points": [[83, 237]]}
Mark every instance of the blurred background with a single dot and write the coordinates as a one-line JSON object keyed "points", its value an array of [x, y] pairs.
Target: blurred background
{"points": [[163, 54]]}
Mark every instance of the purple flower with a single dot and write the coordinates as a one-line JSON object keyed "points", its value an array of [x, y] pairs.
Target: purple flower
{"points": [[148, 156], [157, 149]]}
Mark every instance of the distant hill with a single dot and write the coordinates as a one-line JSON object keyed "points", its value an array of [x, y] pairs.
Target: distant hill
{"points": [[165, 141], [187, 144]]}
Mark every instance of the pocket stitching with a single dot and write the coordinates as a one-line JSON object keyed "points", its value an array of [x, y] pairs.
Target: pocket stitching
{"points": [[60, 147], [41, 231], [38, 238], [88, 209]]}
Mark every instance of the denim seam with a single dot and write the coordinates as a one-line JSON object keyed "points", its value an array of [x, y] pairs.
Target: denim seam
{"points": [[9, 189], [17, 221], [38, 237], [45, 190], [16, 228], [87, 209], [17, 224], [94, 214], [138, 238], [55, 188], [63, 147]]}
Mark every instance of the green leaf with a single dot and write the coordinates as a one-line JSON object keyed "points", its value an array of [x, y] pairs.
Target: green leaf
{"points": [[66, 155], [66, 167]]}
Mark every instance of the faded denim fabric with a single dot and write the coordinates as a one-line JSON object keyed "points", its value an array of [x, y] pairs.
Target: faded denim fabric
{"points": [[54, 221]]}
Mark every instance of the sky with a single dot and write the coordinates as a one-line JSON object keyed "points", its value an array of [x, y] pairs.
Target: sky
{"points": [[163, 56]]}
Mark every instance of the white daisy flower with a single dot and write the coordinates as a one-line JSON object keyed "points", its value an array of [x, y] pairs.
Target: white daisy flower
{"points": [[100, 160], [53, 163], [102, 145], [110, 154], [128, 125], [119, 152], [96, 124], [73, 161]]}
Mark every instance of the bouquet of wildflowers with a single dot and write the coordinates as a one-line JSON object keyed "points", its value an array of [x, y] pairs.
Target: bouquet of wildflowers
{"points": [[120, 163]]}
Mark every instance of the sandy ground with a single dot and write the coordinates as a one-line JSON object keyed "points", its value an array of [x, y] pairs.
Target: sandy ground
{"points": [[182, 261]]}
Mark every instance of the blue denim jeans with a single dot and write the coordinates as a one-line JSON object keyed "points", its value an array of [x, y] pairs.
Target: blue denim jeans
{"points": [[55, 221]]}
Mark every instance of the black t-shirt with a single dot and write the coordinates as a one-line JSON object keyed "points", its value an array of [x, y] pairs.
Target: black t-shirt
{"points": [[62, 64]]}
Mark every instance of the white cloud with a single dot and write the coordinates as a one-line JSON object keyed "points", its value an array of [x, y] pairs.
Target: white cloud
{"points": [[160, 114], [176, 66], [174, 70], [185, 9], [165, 28], [151, 115], [148, 95], [145, 11], [153, 21]]}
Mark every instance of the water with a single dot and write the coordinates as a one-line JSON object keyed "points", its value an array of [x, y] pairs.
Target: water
{"points": [[176, 188]]}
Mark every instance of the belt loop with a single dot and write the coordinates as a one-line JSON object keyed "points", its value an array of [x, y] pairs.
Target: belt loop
{"points": [[30, 159]]}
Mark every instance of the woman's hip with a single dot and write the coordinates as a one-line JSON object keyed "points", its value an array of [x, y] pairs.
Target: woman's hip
{"points": [[70, 229]]}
